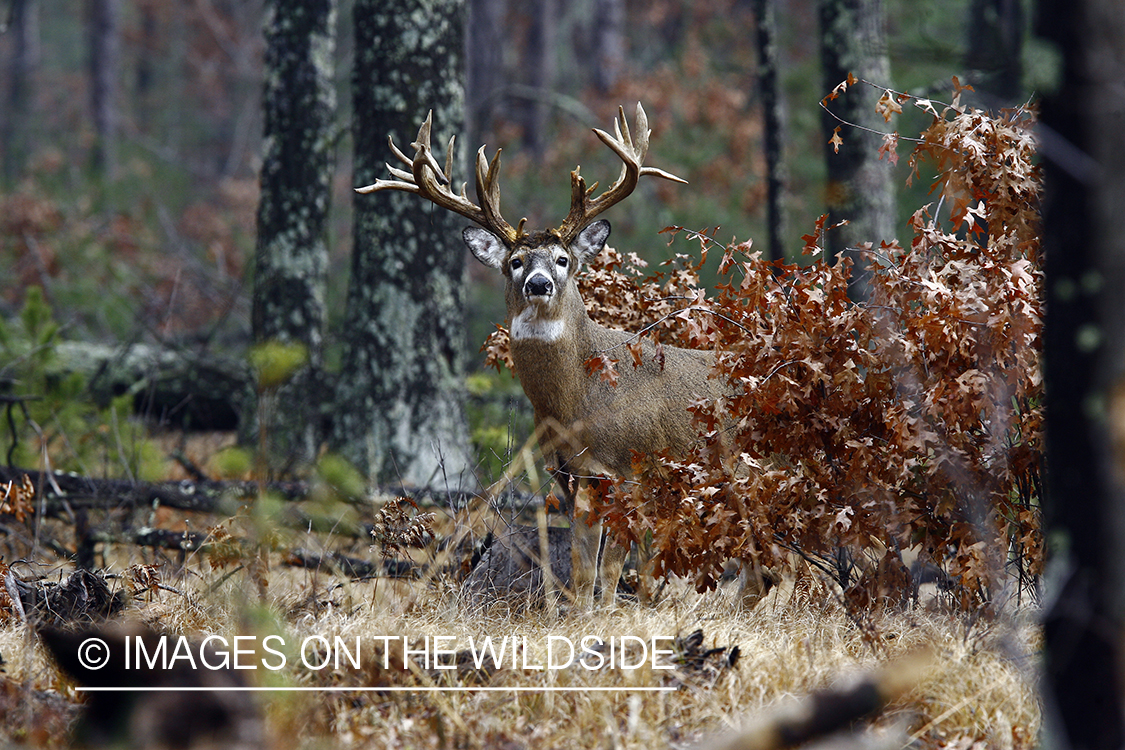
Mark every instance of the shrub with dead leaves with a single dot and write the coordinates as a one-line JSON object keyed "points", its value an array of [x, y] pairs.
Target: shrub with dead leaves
{"points": [[912, 419]]}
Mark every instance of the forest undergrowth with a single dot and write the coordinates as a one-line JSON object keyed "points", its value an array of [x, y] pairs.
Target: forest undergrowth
{"points": [[976, 689]]}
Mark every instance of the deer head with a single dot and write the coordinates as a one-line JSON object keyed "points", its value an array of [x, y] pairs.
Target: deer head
{"points": [[552, 335], [539, 266], [541, 292]]}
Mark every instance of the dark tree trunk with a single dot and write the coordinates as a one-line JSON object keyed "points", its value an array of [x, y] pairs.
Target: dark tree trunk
{"points": [[995, 53], [17, 133], [774, 121], [859, 187], [483, 65], [148, 43], [240, 122], [105, 64], [399, 410], [609, 43], [291, 261], [1085, 371], [539, 66]]}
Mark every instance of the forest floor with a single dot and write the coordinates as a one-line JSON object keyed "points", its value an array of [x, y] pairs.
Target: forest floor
{"points": [[976, 686]]}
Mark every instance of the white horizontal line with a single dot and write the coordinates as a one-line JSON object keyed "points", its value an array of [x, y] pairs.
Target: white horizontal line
{"points": [[395, 688]]}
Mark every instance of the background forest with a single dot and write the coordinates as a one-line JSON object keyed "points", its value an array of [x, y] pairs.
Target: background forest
{"points": [[132, 144]]}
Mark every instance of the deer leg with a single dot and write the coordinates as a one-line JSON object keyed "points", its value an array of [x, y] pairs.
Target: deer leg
{"points": [[584, 542], [610, 564], [753, 582], [646, 584]]}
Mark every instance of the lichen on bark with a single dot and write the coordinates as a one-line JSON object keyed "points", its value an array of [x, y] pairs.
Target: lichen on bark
{"points": [[400, 412], [291, 259]]}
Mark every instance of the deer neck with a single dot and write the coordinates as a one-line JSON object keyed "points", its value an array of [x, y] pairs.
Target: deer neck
{"points": [[550, 346]]}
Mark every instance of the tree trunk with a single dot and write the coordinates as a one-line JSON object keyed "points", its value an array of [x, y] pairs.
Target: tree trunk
{"points": [[995, 51], [859, 186], [609, 43], [291, 261], [539, 65], [1085, 371], [148, 44], [483, 66], [240, 122], [774, 123], [105, 63], [17, 137], [399, 410]]}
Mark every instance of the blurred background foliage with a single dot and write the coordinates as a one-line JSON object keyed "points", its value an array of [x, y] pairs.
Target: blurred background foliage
{"points": [[138, 223]]}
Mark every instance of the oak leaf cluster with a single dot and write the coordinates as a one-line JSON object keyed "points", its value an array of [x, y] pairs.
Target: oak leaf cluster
{"points": [[911, 420]]}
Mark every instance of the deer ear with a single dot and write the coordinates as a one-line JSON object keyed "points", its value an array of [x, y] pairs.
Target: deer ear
{"points": [[590, 241], [486, 247]]}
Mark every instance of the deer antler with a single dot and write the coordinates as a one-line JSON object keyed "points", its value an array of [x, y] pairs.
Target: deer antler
{"points": [[632, 151], [427, 179]]}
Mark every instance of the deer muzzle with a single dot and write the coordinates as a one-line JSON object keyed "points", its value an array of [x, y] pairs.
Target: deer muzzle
{"points": [[538, 285]]}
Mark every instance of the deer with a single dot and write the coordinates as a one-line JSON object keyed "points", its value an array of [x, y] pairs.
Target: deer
{"points": [[585, 425]]}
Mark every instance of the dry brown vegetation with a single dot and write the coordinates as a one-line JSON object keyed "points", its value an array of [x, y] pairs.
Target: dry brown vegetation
{"points": [[980, 686]]}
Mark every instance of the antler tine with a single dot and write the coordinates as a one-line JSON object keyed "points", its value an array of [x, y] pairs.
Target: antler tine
{"points": [[398, 154], [423, 155], [643, 131], [632, 152], [400, 173], [621, 125], [488, 193], [428, 179], [449, 160]]}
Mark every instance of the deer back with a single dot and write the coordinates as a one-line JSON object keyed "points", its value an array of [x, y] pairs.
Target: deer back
{"points": [[648, 409]]}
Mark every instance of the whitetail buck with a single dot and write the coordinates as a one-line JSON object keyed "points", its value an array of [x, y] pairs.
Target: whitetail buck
{"points": [[586, 426]]}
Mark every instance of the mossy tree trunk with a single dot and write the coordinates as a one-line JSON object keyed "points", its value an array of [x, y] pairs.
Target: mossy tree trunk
{"points": [[299, 107], [860, 188], [400, 412]]}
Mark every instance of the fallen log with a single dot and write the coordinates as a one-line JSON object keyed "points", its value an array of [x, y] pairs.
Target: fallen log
{"points": [[185, 541], [352, 567], [197, 390], [199, 541], [71, 497], [62, 490]]}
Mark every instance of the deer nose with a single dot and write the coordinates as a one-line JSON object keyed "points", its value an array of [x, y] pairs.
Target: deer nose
{"points": [[538, 286]]}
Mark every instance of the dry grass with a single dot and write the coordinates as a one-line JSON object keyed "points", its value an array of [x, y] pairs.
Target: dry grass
{"points": [[980, 686]]}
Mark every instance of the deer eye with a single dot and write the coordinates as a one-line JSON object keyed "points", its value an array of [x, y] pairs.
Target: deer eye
{"points": [[562, 261], [516, 264]]}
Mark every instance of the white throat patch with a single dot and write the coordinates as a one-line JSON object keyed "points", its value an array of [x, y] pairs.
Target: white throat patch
{"points": [[528, 325]]}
